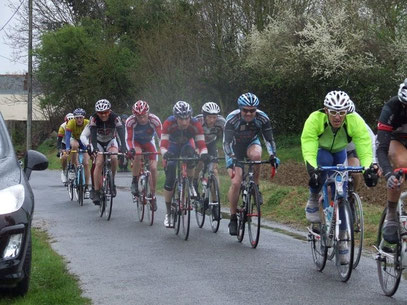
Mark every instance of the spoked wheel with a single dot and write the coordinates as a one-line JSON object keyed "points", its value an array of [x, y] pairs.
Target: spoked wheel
{"points": [[185, 209], [241, 221], [345, 246], [253, 216], [318, 248], [214, 204], [140, 207], [358, 226], [147, 196], [388, 262], [199, 205], [80, 188], [70, 189], [109, 195], [331, 248], [175, 213]]}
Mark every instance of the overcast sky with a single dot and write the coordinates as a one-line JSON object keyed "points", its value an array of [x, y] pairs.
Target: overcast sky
{"points": [[7, 66]]}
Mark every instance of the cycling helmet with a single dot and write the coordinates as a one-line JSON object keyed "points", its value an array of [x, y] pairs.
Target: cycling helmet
{"points": [[351, 108], [403, 92], [140, 108], [79, 112], [337, 100], [248, 99], [182, 110], [210, 108], [68, 117], [102, 105]]}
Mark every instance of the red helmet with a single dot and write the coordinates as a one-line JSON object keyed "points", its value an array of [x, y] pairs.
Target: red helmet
{"points": [[140, 108]]}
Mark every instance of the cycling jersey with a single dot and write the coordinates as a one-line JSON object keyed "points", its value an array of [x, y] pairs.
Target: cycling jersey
{"points": [[318, 133], [61, 135], [105, 131], [142, 134], [172, 134], [392, 126], [212, 133], [239, 133], [74, 131]]}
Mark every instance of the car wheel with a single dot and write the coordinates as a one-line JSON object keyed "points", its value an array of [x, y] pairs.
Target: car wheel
{"points": [[22, 287]]}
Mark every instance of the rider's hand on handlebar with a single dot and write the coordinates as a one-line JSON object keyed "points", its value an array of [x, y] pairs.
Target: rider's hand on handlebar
{"points": [[370, 176], [315, 180], [131, 153], [168, 155], [205, 157], [274, 161], [95, 152], [392, 181]]}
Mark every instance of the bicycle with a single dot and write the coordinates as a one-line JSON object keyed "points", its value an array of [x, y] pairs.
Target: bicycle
{"points": [[106, 191], [208, 199], [76, 177], [326, 235], [180, 216], [392, 258], [143, 201], [249, 210]]}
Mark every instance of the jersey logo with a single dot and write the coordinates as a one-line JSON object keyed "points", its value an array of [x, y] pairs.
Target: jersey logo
{"points": [[242, 127]]}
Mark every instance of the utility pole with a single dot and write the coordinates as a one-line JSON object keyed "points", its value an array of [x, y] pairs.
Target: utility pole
{"points": [[29, 82]]}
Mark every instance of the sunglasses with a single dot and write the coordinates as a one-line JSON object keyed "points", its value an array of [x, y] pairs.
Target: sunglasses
{"points": [[245, 110], [334, 112], [104, 112]]}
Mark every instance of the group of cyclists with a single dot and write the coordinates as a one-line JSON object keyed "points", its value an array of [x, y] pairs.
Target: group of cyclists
{"points": [[335, 134]]}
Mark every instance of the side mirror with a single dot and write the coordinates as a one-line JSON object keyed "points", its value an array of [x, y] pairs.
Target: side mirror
{"points": [[34, 160]]}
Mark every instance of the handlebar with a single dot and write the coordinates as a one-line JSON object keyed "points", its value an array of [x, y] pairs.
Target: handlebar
{"points": [[250, 162], [341, 168]]}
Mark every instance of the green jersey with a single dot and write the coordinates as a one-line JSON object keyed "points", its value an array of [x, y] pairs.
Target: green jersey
{"points": [[318, 133]]}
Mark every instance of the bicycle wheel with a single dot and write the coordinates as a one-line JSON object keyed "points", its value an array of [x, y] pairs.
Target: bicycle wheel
{"points": [[140, 207], [331, 248], [345, 246], [241, 221], [199, 205], [70, 190], [388, 262], [253, 215], [318, 249], [148, 207], [185, 209], [109, 195], [358, 226], [80, 187], [175, 212], [214, 204]]}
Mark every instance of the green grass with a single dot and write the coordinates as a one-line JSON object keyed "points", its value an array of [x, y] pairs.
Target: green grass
{"points": [[50, 282], [48, 148]]}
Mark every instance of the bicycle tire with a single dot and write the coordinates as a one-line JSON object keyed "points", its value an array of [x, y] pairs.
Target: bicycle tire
{"points": [[109, 193], [253, 215], [199, 205], [241, 220], [140, 208], [70, 190], [358, 227], [175, 213], [345, 270], [388, 266], [318, 247], [215, 215], [332, 250], [147, 200], [80, 187], [185, 209]]}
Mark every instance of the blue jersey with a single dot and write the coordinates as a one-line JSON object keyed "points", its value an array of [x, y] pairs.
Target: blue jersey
{"points": [[239, 133]]}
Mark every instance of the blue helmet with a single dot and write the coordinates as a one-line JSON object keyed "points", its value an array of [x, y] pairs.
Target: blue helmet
{"points": [[248, 100], [182, 110], [79, 112]]}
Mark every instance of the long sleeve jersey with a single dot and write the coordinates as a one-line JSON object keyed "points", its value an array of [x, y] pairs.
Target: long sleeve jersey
{"points": [[142, 134]]}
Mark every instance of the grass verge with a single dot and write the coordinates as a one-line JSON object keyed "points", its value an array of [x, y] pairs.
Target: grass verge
{"points": [[51, 283]]}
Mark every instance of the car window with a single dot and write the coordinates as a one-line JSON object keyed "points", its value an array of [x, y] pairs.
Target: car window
{"points": [[4, 143]]}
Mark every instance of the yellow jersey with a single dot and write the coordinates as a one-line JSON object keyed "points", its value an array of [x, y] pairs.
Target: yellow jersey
{"points": [[75, 129]]}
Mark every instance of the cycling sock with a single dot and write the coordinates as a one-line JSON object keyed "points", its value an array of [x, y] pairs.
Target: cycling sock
{"points": [[391, 210], [168, 205]]}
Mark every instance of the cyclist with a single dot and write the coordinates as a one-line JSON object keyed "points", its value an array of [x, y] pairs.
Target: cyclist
{"points": [[213, 124], [61, 145], [240, 141], [103, 127], [180, 133], [73, 132], [351, 154], [123, 160], [324, 138], [140, 130], [392, 153]]}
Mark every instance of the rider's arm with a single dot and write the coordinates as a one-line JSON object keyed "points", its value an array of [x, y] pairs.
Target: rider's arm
{"points": [[93, 136], [228, 137], [267, 132], [373, 138], [157, 126], [165, 137], [85, 136], [313, 127], [357, 129], [200, 138], [384, 130], [61, 135], [121, 132]]}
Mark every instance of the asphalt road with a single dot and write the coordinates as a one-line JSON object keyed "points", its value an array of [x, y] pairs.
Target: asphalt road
{"points": [[123, 261]]}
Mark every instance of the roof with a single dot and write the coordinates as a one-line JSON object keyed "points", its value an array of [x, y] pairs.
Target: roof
{"points": [[15, 84]]}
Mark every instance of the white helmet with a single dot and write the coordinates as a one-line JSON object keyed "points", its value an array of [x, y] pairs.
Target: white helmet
{"points": [[403, 92], [102, 105], [210, 108], [351, 108], [337, 100]]}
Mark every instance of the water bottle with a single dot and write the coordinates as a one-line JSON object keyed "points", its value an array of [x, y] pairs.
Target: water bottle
{"points": [[71, 174], [141, 183], [244, 195], [329, 212]]}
